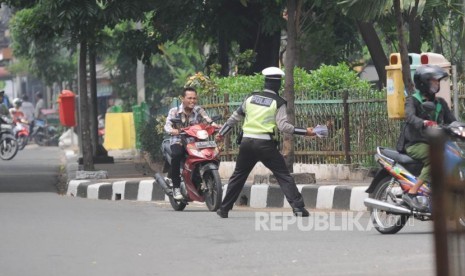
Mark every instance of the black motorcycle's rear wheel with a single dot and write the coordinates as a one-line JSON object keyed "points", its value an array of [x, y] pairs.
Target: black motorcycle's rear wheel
{"points": [[8, 146], [387, 223], [214, 193], [40, 138]]}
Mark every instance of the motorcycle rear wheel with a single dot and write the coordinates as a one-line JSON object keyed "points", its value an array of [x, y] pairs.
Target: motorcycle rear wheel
{"points": [[214, 194], [384, 222], [40, 139], [177, 205], [8, 147]]}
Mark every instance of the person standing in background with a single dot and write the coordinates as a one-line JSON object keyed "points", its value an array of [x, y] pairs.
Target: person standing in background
{"points": [[28, 109], [40, 104]]}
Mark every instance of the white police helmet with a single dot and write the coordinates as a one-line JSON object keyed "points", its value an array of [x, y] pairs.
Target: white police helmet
{"points": [[273, 73]]}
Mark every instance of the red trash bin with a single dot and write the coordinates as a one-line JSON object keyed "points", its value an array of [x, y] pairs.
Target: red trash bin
{"points": [[66, 108]]}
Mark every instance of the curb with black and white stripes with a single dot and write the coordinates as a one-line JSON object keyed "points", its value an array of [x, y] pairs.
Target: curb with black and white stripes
{"points": [[255, 196]]}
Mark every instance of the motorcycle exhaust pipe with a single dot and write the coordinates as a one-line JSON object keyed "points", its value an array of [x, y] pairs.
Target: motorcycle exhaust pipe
{"points": [[161, 181], [388, 207]]}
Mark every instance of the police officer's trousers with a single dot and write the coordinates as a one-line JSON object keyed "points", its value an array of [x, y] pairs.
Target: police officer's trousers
{"points": [[250, 152]]}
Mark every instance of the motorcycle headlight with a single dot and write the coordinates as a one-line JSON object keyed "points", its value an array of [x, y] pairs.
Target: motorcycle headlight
{"points": [[202, 134]]}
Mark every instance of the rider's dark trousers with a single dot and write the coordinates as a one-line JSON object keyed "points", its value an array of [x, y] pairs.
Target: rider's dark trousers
{"points": [[177, 153], [250, 152]]}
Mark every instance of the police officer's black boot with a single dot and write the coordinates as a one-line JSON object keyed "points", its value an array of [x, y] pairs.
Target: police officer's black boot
{"points": [[300, 212], [222, 213]]}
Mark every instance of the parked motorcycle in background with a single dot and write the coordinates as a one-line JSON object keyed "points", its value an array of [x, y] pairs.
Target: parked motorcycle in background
{"points": [[8, 144], [200, 179], [398, 173], [44, 134]]}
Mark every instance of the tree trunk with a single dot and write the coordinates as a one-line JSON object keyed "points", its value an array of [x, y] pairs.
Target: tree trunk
{"points": [[223, 53], [266, 45], [93, 98], [414, 30], [408, 84], [267, 50], [87, 160], [288, 143], [461, 65], [375, 48]]}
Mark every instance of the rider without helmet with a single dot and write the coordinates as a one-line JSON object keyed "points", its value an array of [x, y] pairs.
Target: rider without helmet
{"points": [[17, 102], [423, 76]]}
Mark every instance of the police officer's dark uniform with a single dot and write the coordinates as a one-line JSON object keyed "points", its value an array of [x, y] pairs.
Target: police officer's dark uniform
{"points": [[264, 112]]}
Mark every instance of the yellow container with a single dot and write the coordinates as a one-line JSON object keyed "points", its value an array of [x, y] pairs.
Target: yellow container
{"points": [[395, 88], [119, 131]]}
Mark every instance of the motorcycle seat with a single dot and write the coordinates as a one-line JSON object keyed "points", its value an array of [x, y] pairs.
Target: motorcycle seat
{"points": [[399, 157]]}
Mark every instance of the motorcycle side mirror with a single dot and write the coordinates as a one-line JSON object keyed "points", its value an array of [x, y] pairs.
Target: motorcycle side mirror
{"points": [[428, 106], [216, 118]]}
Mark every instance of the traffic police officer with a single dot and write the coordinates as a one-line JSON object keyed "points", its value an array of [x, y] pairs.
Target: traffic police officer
{"points": [[264, 112]]}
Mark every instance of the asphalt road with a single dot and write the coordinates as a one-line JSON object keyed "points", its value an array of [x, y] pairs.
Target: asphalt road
{"points": [[43, 233]]}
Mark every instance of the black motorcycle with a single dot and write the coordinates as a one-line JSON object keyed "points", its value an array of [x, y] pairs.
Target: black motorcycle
{"points": [[8, 143], [44, 134]]}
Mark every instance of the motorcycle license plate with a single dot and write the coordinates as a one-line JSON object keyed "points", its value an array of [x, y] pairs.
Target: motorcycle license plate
{"points": [[205, 144]]}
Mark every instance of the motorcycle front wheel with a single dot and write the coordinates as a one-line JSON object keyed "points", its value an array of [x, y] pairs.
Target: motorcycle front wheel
{"points": [[8, 147], [22, 141], [385, 222], [214, 193]]}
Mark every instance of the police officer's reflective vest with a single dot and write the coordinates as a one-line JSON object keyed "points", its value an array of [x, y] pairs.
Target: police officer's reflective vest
{"points": [[260, 110]]}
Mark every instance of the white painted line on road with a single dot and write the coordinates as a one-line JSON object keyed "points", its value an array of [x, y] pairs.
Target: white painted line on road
{"points": [[73, 186], [145, 190], [118, 188], [357, 197], [258, 195], [325, 196]]}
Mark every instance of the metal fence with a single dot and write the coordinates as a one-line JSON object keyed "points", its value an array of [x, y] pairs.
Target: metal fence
{"points": [[357, 122]]}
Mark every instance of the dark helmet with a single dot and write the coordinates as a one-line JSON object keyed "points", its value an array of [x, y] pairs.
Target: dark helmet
{"points": [[424, 74]]}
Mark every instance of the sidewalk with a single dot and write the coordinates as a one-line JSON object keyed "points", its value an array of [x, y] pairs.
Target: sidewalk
{"points": [[131, 178]]}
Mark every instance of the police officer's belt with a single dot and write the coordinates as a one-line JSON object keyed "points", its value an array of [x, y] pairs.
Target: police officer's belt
{"points": [[263, 136]]}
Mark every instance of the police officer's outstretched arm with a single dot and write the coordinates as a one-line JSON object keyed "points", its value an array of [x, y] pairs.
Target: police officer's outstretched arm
{"points": [[286, 127]]}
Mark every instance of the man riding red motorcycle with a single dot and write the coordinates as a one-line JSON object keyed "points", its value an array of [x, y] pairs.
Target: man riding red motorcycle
{"points": [[189, 113]]}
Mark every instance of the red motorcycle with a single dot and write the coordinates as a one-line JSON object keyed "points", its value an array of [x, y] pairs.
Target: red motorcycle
{"points": [[21, 131], [200, 180]]}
